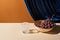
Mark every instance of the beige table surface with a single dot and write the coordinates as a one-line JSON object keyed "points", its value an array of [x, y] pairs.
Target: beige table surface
{"points": [[14, 31]]}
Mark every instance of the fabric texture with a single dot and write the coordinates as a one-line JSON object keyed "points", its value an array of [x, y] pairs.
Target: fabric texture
{"points": [[43, 9]]}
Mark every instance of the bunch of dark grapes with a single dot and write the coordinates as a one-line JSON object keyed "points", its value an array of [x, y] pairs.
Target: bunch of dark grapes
{"points": [[48, 23]]}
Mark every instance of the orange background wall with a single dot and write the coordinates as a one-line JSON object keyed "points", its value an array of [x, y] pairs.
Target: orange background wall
{"points": [[14, 11]]}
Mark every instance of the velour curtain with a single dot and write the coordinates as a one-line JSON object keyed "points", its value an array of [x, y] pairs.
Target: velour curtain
{"points": [[43, 9]]}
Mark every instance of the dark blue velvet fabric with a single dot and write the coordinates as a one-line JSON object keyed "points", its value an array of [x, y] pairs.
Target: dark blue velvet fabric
{"points": [[43, 9]]}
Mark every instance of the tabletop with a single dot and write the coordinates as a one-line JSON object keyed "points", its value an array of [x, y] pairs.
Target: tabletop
{"points": [[14, 31]]}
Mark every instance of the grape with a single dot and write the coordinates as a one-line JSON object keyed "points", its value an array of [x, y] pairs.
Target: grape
{"points": [[48, 23]]}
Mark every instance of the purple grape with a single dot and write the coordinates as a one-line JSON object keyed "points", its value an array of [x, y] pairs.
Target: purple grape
{"points": [[48, 23]]}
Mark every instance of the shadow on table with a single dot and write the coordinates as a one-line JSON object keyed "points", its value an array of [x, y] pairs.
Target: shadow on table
{"points": [[55, 30]]}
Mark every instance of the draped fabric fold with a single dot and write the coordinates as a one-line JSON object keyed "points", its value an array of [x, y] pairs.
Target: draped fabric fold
{"points": [[43, 9]]}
